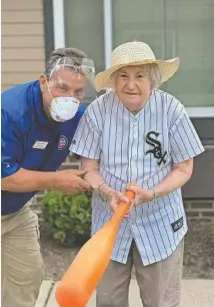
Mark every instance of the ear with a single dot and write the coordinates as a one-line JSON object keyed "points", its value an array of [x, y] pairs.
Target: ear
{"points": [[43, 83]]}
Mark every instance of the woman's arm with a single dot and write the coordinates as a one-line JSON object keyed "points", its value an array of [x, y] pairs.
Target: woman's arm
{"points": [[94, 178], [180, 174], [98, 184]]}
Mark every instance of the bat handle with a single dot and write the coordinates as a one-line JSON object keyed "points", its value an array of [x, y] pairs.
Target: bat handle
{"points": [[123, 206], [129, 194]]}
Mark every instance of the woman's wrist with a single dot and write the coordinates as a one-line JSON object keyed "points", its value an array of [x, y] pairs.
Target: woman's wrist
{"points": [[105, 191], [154, 194]]}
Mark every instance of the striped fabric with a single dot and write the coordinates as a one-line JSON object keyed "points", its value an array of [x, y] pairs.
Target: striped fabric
{"points": [[140, 149]]}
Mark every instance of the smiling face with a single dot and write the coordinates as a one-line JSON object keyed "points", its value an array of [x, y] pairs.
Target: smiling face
{"points": [[133, 87]]}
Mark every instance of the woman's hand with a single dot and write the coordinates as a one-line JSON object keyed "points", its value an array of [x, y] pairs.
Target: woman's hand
{"points": [[141, 195], [114, 199]]}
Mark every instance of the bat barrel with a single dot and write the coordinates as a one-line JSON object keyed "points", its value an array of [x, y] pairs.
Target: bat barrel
{"points": [[71, 296], [88, 267]]}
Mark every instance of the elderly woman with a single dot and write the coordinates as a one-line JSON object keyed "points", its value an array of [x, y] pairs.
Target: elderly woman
{"points": [[138, 134]]}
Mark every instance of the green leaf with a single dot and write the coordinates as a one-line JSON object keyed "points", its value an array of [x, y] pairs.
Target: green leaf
{"points": [[68, 216]]}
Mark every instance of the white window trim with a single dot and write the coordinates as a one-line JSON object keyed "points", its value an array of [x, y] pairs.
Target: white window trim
{"points": [[107, 13], [200, 112], [58, 24], [59, 27], [59, 42]]}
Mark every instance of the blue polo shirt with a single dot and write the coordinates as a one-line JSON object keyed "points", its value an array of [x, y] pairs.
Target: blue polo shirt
{"points": [[29, 140]]}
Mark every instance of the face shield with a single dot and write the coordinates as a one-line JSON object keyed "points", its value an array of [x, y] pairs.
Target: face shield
{"points": [[72, 77], [68, 82], [78, 66]]}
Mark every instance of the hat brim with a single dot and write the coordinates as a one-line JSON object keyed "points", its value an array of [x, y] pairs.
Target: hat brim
{"points": [[167, 69]]}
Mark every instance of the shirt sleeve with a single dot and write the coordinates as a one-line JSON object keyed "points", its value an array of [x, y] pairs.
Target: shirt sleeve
{"points": [[86, 141], [11, 146], [184, 141]]}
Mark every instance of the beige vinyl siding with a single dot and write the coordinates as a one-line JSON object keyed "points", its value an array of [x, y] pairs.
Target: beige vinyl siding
{"points": [[23, 49]]}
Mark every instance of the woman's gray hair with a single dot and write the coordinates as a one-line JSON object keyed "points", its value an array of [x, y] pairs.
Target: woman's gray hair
{"points": [[152, 71], [57, 54]]}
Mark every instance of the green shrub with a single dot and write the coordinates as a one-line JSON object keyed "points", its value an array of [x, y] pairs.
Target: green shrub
{"points": [[68, 217]]}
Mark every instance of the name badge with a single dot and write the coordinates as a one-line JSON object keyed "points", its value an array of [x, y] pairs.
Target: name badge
{"points": [[40, 145]]}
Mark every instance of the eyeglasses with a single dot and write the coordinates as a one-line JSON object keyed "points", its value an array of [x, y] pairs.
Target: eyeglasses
{"points": [[83, 66]]}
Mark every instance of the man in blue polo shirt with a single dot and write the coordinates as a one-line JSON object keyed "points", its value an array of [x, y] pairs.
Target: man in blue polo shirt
{"points": [[39, 119]]}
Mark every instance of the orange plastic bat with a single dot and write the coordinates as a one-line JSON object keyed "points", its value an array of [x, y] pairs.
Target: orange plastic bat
{"points": [[88, 267]]}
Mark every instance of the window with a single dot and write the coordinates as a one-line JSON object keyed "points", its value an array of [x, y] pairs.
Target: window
{"points": [[84, 30], [173, 28]]}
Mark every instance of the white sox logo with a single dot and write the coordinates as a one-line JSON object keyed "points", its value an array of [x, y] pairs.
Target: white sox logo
{"points": [[157, 148]]}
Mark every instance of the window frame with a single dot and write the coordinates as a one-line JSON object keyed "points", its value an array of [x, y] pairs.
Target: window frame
{"points": [[59, 42]]}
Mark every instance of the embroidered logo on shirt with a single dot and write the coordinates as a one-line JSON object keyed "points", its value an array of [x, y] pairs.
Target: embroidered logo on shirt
{"points": [[157, 147], [178, 224], [63, 142]]}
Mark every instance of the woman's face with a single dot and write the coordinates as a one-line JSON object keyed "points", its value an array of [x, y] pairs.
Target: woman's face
{"points": [[133, 87]]}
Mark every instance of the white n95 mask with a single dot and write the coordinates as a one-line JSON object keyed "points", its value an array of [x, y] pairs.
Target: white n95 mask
{"points": [[64, 108]]}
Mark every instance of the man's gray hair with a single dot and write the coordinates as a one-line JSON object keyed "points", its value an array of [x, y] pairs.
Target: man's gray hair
{"points": [[57, 54]]}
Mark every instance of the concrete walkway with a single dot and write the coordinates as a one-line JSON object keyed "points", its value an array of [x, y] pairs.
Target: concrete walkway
{"points": [[195, 293]]}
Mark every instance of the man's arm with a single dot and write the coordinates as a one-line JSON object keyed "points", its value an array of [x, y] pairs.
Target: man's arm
{"points": [[27, 181], [67, 181], [16, 179]]}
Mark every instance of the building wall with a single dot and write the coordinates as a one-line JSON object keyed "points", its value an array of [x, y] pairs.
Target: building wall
{"points": [[23, 49]]}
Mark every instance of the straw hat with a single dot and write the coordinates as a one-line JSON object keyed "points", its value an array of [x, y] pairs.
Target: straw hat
{"points": [[134, 53]]}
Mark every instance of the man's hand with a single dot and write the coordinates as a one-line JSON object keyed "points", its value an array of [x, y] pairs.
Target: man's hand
{"points": [[141, 195], [70, 181]]}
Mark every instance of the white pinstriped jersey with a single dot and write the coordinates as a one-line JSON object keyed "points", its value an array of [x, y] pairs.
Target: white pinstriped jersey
{"points": [[140, 149]]}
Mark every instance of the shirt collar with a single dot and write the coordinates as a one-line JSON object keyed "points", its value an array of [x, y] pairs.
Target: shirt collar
{"points": [[38, 106]]}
